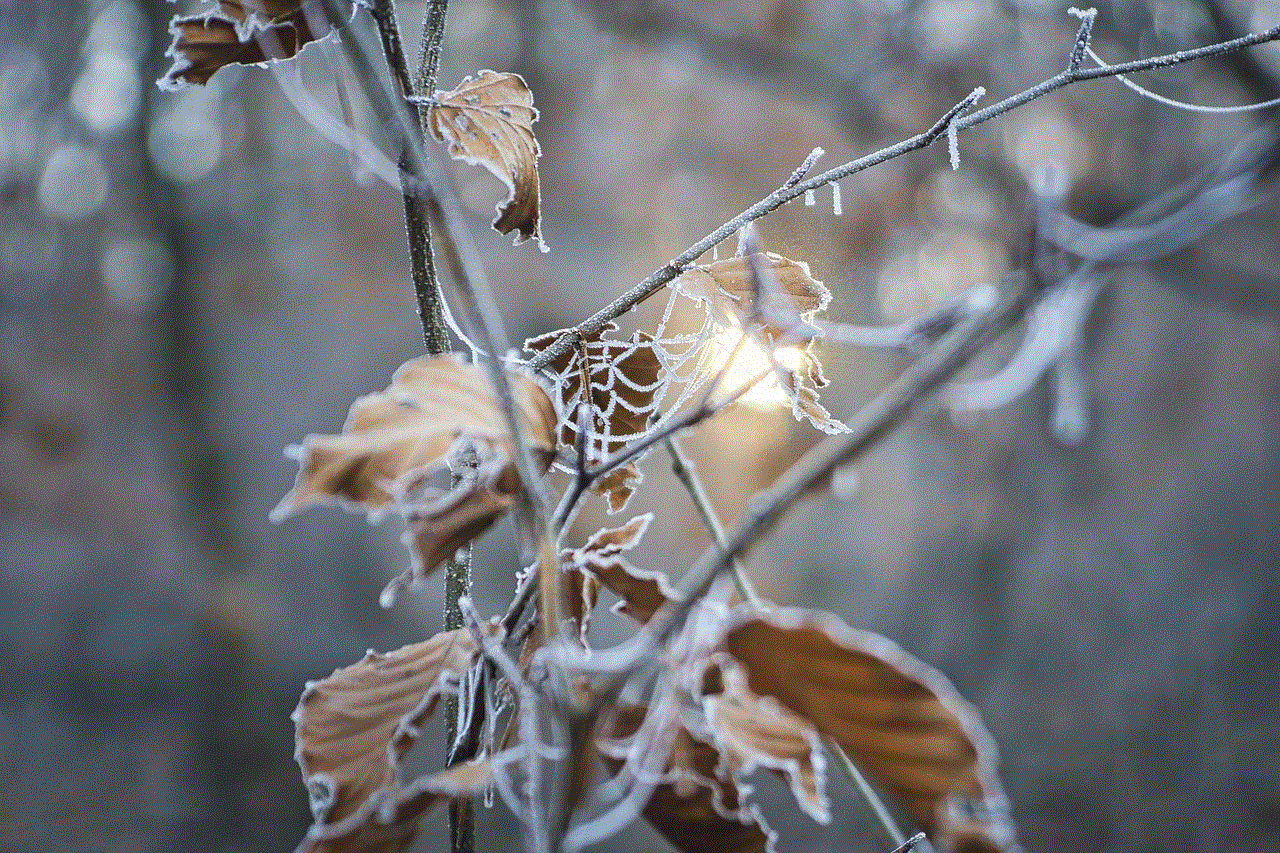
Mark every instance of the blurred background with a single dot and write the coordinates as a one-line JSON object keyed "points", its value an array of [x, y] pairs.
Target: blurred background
{"points": [[191, 281]]}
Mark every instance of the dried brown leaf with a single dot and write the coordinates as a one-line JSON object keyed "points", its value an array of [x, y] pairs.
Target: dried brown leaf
{"points": [[355, 726], [727, 288], [804, 401], [488, 121], [392, 435], [751, 731], [442, 523], [388, 824], [640, 592], [397, 441], [250, 32], [692, 808], [899, 720], [622, 380]]}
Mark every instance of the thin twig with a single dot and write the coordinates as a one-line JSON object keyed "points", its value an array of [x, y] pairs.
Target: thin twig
{"points": [[432, 39], [435, 334], [886, 821], [911, 843], [788, 191], [683, 468]]}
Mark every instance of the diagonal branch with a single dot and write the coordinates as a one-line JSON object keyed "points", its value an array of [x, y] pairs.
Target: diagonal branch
{"points": [[791, 190]]}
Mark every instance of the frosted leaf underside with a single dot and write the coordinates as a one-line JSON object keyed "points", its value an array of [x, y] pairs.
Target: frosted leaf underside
{"points": [[354, 727], [692, 808], [249, 32], [397, 445]]}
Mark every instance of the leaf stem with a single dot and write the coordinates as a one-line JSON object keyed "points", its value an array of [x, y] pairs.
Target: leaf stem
{"points": [[878, 808]]}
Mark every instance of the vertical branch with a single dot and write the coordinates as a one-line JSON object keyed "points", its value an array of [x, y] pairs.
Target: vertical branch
{"points": [[432, 38], [426, 286]]}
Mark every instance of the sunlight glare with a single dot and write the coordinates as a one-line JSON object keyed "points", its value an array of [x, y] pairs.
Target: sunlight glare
{"points": [[751, 361]]}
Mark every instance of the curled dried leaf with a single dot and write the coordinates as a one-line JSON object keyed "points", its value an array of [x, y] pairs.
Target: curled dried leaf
{"points": [[691, 807], [779, 322], [388, 824], [391, 436], [640, 592], [623, 381], [751, 731], [899, 720], [440, 522], [727, 287], [241, 32], [395, 442], [355, 726], [582, 591], [488, 121]]}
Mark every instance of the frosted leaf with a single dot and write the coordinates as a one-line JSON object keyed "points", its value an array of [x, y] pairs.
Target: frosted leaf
{"points": [[354, 727], [488, 121], [393, 434], [441, 521], [727, 289], [692, 809], [791, 298], [752, 731], [621, 383], [899, 720], [640, 593], [395, 450], [389, 824], [241, 32]]}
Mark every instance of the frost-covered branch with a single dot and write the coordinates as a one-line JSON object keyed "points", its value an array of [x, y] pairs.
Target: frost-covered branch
{"points": [[950, 121]]}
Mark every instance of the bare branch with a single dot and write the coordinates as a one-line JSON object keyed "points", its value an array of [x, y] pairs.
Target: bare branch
{"points": [[789, 191], [1085, 33]]}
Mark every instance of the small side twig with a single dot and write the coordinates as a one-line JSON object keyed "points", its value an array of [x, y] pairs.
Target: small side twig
{"points": [[911, 843], [688, 477], [1083, 35]]}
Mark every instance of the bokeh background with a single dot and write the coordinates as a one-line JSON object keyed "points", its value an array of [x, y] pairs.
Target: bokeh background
{"points": [[191, 281]]}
